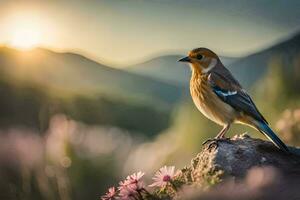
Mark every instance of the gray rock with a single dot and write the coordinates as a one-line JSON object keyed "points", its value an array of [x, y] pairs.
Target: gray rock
{"points": [[237, 155], [243, 168]]}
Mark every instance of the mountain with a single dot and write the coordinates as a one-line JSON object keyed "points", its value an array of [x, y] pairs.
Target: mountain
{"points": [[167, 69], [254, 67], [247, 70], [38, 84], [76, 73]]}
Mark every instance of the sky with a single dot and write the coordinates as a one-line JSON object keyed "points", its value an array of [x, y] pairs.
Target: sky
{"points": [[123, 32]]}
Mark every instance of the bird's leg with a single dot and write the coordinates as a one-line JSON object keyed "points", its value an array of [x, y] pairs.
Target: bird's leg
{"points": [[220, 135], [223, 132]]}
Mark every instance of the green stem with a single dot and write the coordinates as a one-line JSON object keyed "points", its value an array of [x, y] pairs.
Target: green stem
{"points": [[173, 186], [140, 195], [149, 194], [135, 197]]}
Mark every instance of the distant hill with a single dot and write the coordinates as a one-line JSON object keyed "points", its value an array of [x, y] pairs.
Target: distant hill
{"points": [[253, 67], [76, 73], [167, 69], [37, 84], [247, 69]]}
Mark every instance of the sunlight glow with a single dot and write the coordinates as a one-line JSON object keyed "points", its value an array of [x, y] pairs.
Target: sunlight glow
{"points": [[26, 30], [25, 38]]}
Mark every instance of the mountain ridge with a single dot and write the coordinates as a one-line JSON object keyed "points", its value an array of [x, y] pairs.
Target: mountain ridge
{"points": [[73, 71], [248, 69], [254, 67]]}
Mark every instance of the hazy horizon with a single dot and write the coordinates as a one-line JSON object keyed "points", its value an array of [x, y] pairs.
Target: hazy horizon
{"points": [[121, 33]]}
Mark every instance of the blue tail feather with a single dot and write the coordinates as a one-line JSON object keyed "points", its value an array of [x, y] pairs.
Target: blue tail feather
{"points": [[267, 131]]}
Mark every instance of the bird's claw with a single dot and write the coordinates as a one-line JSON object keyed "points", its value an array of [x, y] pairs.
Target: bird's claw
{"points": [[214, 141], [211, 142], [208, 141]]}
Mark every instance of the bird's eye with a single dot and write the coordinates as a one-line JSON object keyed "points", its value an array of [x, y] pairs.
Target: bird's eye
{"points": [[199, 57]]}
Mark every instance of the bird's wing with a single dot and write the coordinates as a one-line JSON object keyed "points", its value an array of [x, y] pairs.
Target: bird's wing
{"points": [[229, 90]]}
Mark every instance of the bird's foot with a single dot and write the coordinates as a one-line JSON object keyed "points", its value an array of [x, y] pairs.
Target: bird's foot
{"points": [[214, 141], [209, 140]]}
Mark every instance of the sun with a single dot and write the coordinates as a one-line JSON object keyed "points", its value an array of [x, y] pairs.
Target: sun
{"points": [[25, 38], [26, 30]]}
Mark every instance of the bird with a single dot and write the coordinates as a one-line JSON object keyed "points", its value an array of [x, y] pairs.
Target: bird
{"points": [[221, 98]]}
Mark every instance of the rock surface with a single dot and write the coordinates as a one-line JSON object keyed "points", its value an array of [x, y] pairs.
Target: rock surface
{"points": [[244, 166], [237, 155]]}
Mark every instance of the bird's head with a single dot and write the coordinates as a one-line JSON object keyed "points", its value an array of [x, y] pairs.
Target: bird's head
{"points": [[202, 60]]}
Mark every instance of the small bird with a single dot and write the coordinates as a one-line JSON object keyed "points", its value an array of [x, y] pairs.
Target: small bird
{"points": [[221, 98]]}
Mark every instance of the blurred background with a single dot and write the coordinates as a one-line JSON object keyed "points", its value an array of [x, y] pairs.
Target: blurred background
{"points": [[90, 91]]}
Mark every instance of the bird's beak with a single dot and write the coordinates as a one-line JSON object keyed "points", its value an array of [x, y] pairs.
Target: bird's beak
{"points": [[185, 59]]}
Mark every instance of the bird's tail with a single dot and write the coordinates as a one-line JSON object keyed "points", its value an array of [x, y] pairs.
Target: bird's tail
{"points": [[267, 131]]}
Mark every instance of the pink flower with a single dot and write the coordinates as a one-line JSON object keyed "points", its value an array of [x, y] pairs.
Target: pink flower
{"points": [[127, 193], [132, 186], [163, 176], [136, 176], [110, 194]]}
